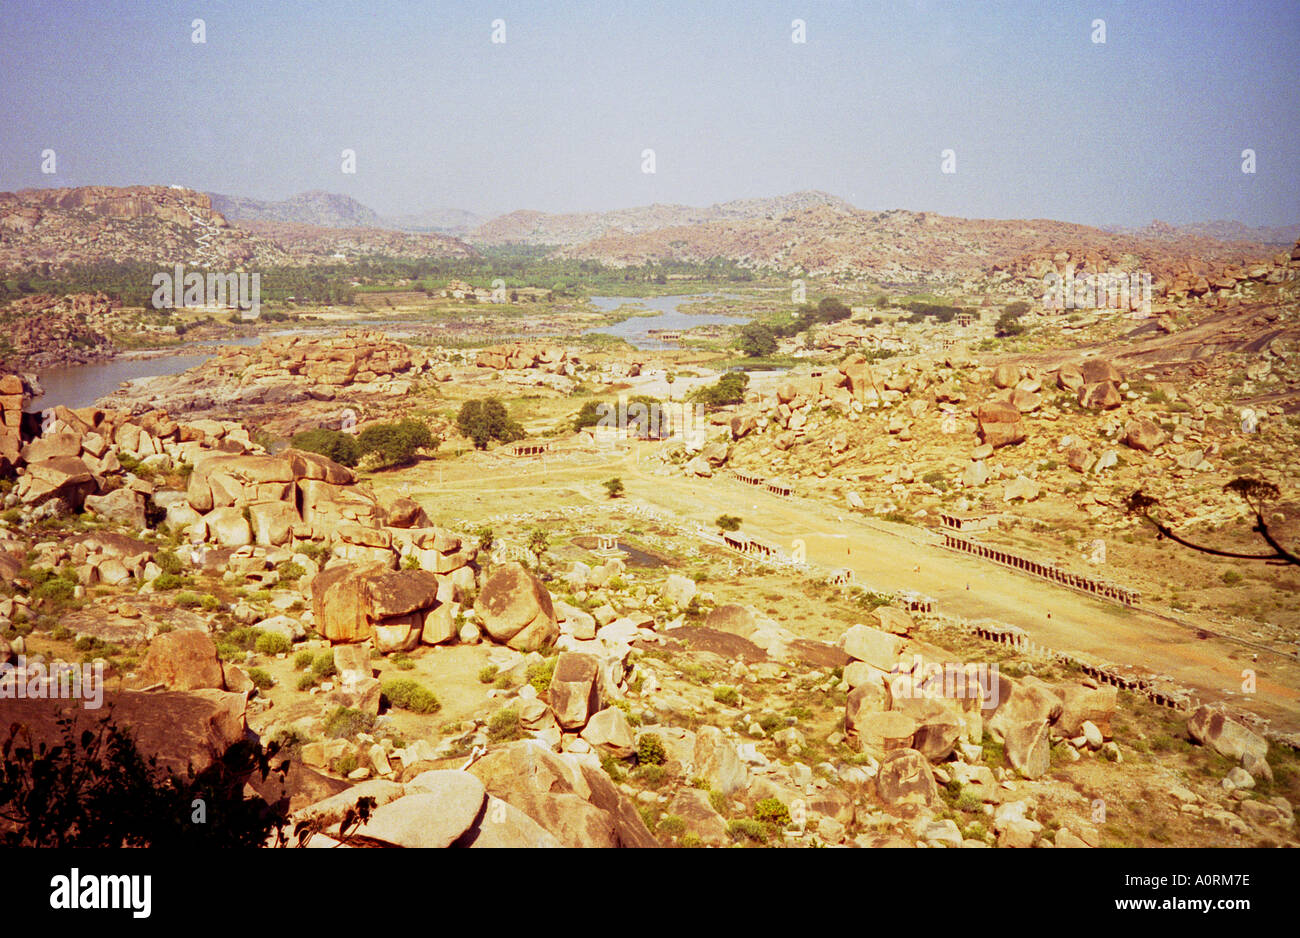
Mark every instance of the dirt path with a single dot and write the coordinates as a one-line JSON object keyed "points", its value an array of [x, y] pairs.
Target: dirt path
{"points": [[886, 557]]}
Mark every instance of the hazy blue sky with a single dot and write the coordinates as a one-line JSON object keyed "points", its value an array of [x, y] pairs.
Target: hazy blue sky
{"points": [[1044, 122]]}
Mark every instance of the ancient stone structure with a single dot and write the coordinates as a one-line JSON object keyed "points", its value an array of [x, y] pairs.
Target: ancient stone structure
{"points": [[751, 546], [1047, 571], [968, 522], [530, 448], [774, 486]]}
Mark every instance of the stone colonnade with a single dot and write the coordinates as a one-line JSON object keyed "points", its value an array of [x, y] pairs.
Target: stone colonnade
{"points": [[776, 488], [1047, 571]]}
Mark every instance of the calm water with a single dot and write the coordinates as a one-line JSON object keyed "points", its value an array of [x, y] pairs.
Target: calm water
{"points": [[82, 385], [636, 331]]}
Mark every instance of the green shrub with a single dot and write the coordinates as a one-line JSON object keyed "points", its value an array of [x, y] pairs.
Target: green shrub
{"points": [[671, 825], [1231, 577], [344, 723], [167, 561], [290, 571], [612, 767], [322, 665], [726, 695], [345, 764], [303, 659], [261, 680], [56, 591], [307, 681], [748, 829], [652, 776], [188, 600], [539, 674], [691, 841], [341, 447], [402, 661], [406, 694], [505, 725], [719, 802], [167, 581], [487, 674], [650, 750], [772, 811], [272, 643]]}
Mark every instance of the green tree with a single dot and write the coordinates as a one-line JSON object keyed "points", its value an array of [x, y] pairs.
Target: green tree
{"points": [[343, 448], [1008, 324], [538, 543], [614, 487], [395, 444], [729, 389], [727, 523], [756, 340], [485, 420]]}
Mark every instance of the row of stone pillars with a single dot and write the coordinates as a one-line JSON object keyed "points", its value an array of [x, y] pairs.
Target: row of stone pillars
{"points": [[1016, 639], [776, 488], [1047, 571]]}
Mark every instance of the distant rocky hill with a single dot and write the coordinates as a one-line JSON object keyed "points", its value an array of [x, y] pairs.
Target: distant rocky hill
{"points": [[319, 243], [171, 225], [530, 227], [452, 221], [323, 209], [329, 210], [902, 246], [1281, 235], [151, 224]]}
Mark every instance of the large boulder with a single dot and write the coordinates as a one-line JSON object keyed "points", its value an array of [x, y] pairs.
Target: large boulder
{"points": [[905, 777], [340, 606], [608, 731], [1082, 704], [1143, 434], [501, 824], [438, 808], [878, 649], [1212, 727], [122, 506], [574, 693], [185, 659], [353, 602], [1028, 747], [63, 477], [1095, 370], [718, 763], [516, 609], [1005, 375], [1000, 424], [1100, 396]]}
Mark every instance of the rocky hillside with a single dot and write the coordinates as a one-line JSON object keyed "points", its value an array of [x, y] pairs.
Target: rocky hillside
{"points": [[318, 208], [529, 227], [329, 210], [154, 224], [166, 226], [901, 246], [41, 330], [1218, 230], [317, 244]]}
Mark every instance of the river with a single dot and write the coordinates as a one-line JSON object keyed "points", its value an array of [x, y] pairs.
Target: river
{"points": [[82, 385]]}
